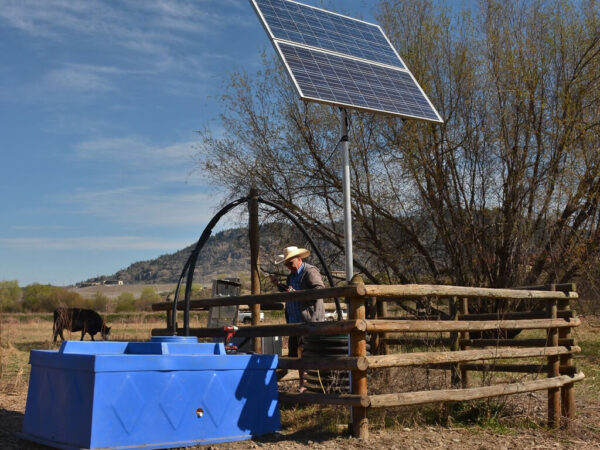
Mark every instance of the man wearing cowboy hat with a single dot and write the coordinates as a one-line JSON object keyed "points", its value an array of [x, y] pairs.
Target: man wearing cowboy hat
{"points": [[302, 276]]}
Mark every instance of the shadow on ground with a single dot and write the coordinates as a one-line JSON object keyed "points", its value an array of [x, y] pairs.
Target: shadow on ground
{"points": [[12, 422], [306, 436]]}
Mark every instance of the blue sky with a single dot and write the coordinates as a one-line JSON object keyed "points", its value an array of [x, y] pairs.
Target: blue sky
{"points": [[99, 101]]}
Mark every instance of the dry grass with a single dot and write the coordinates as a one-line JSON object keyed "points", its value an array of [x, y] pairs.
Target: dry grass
{"points": [[113, 292], [516, 417], [21, 333]]}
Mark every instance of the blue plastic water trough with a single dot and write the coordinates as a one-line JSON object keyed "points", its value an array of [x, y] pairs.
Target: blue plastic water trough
{"points": [[169, 392]]}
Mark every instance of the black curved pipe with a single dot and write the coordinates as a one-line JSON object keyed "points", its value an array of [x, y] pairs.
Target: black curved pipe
{"points": [[190, 264]]}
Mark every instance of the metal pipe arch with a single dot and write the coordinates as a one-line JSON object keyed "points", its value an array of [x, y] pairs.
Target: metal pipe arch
{"points": [[190, 264]]}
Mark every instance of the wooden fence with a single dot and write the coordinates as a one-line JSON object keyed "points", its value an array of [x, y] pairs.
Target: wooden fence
{"points": [[474, 337]]}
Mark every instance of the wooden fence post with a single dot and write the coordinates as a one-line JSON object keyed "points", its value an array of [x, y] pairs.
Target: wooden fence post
{"points": [[553, 367], [254, 261], [464, 310], [382, 348], [169, 319], [453, 310], [568, 390], [358, 347]]}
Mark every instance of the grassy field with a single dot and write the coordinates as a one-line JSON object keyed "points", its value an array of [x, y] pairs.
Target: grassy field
{"points": [[516, 419], [112, 291]]}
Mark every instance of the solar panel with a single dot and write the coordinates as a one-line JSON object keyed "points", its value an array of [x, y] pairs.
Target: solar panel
{"points": [[342, 61], [328, 78], [314, 27]]}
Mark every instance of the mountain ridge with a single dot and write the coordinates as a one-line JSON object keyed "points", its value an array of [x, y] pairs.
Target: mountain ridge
{"points": [[226, 254]]}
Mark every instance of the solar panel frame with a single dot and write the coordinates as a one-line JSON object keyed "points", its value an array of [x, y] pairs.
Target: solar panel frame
{"points": [[426, 109]]}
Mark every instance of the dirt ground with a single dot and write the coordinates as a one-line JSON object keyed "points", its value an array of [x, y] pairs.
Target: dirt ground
{"points": [[585, 434], [519, 424]]}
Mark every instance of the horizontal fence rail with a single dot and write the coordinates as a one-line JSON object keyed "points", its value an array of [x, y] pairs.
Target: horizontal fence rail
{"points": [[514, 315], [290, 329], [418, 359], [269, 299], [412, 359], [408, 290], [422, 397], [415, 326], [446, 342], [455, 395], [325, 363], [513, 342], [421, 290]]}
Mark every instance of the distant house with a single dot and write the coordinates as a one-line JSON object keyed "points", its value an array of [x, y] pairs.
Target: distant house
{"points": [[113, 282]]}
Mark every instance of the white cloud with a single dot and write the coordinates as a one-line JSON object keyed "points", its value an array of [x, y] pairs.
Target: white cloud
{"points": [[160, 188], [135, 150], [93, 243], [38, 18], [150, 23], [142, 206], [76, 79], [173, 42], [72, 83], [126, 148], [37, 227]]}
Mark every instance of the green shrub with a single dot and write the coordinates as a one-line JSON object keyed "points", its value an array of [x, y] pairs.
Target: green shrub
{"points": [[126, 303], [148, 296], [10, 293], [99, 302], [46, 298]]}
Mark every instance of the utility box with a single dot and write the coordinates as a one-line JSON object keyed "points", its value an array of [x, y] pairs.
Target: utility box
{"points": [[269, 345], [169, 392], [221, 316]]}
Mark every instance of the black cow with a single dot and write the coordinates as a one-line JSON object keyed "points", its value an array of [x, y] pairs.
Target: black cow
{"points": [[77, 319]]}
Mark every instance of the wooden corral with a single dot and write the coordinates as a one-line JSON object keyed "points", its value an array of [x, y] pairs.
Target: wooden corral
{"points": [[470, 349]]}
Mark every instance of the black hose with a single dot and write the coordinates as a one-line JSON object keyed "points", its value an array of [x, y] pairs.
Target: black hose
{"points": [[190, 266]]}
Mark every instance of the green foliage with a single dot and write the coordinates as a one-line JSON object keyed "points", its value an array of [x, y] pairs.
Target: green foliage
{"points": [[148, 296], [46, 298], [126, 303], [198, 291], [10, 293], [99, 302]]}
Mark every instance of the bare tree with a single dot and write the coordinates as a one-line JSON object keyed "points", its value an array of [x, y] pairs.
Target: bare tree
{"points": [[505, 192]]}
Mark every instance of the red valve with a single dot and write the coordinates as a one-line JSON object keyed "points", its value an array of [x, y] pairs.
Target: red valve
{"points": [[230, 330]]}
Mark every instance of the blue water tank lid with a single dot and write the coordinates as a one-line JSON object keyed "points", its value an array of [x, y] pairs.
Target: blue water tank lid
{"points": [[160, 353]]}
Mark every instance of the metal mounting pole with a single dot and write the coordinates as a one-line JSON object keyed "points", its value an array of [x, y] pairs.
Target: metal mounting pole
{"points": [[346, 196], [347, 230]]}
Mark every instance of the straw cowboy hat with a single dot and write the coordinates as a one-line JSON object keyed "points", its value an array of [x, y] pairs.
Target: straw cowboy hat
{"points": [[292, 252]]}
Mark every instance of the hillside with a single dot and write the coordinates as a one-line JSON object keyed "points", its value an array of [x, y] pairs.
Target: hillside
{"points": [[226, 253]]}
